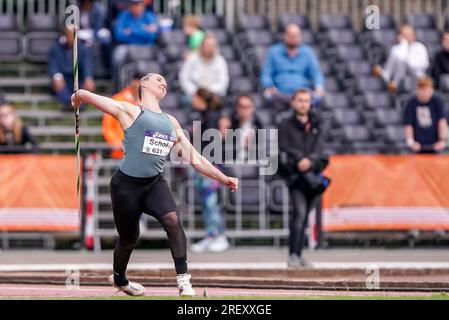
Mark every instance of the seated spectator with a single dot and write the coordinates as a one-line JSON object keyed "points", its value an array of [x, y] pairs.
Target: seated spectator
{"points": [[195, 36], [134, 26], [60, 68], [289, 66], [441, 64], [301, 145], [407, 58], [14, 137], [205, 69], [207, 105], [112, 131], [244, 118], [425, 121], [116, 6]]}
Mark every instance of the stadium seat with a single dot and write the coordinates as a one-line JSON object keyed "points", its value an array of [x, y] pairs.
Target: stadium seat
{"points": [[369, 83], [421, 21], [428, 36], [240, 85], [307, 37], [42, 22], [396, 139], [42, 33], [332, 85], [259, 38], [301, 20], [342, 36], [10, 39], [386, 117], [343, 117], [350, 53], [173, 53], [221, 34], [386, 21], [444, 83], [336, 100], [358, 139], [137, 53], [235, 69], [210, 21], [330, 22], [359, 68], [227, 52], [376, 100], [252, 196], [174, 37], [247, 22]]}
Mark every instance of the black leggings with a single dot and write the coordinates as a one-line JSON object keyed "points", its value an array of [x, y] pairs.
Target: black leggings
{"points": [[130, 198]]}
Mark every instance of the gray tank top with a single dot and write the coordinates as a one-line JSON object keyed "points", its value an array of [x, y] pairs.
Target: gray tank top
{"points": [[147, 143]]}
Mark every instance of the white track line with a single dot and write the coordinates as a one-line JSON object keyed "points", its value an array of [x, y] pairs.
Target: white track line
{"points": [[224, 266]]}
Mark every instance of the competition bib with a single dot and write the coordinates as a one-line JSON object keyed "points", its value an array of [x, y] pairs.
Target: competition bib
{"points": [[158, 144]]}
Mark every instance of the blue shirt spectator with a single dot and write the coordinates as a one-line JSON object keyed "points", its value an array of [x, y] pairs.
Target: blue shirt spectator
{"points": [[290, 66], [60, 68], [136, 25], [289, 73]]}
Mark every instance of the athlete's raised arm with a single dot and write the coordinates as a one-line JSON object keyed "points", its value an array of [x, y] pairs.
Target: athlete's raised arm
{"points": [[117, 109], [198, 162]]}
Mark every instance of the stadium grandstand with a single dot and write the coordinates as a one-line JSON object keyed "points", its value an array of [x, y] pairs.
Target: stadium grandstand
{"points": [[363, 123]]}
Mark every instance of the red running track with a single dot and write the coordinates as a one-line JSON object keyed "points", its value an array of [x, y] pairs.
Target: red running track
{"points": [[58, 291]]}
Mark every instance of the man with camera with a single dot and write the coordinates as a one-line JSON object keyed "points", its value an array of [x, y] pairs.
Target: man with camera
{"points": [[302, 159]]}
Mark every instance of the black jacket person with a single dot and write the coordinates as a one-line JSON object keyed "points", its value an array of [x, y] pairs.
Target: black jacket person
{"points": [[302, 159]]}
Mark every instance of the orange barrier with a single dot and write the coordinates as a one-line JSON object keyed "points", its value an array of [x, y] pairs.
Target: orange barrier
{"points": [[387, 193], [38, 193]]}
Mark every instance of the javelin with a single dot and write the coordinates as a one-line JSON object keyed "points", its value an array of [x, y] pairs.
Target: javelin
{"points": [[77, 114]]}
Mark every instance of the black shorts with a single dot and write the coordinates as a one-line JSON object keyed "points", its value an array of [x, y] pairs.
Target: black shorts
{"points": [[133, 196]]}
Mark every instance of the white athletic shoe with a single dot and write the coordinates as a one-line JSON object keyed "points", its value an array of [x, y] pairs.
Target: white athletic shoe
{"points": [[131, 289], [184, 285], [201, 246], [219, 244]]}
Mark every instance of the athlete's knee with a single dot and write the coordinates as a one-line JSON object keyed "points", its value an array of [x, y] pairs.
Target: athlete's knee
{"points": [[128, 243], [170, 221]]}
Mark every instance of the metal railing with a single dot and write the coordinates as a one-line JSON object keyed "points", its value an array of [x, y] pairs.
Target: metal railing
{"points": [[231, 9], [242, 221]]}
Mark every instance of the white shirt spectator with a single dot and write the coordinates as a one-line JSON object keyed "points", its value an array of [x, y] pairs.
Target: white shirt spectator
{"points": [[198, 73]]}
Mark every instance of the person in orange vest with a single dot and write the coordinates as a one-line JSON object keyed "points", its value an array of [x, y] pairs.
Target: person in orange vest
{"points": [[112, 132]]}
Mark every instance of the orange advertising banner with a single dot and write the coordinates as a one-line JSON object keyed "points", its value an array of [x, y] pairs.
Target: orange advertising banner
{"points": [[387, 193], [38, 193]]}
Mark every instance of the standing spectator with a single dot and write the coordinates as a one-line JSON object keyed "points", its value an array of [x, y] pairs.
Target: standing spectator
{"points": [[112, 131], [289, 66], [244, 118], [195, 36], [441, 64], [301, 143], [14, 137], [407, 58], [134, 26], [205, 69], [208, 106], [425, 121], [60, 68]]}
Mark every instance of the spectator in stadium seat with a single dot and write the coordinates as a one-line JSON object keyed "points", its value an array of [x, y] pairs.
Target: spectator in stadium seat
{"points": [[301, 143], [245, 118], [289, 66], [116, 6], [441, 64], [93, 27], [60, 68], [207, 106], [195, 36], [134, 26], [112, 131], [425, 120], [205, 69], [408, 58], [14, 136]]}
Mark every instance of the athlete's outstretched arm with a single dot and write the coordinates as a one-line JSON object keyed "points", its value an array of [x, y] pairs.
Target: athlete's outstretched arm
{"points": [[107, 105], [198, 162]]}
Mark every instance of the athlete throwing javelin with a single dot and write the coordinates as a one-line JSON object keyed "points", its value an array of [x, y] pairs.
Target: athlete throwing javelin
{"points": [[138, 185]]}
